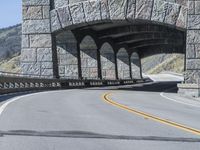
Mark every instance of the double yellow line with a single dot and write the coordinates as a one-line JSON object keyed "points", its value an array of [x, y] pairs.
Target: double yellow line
{"points": [[149, 116]]}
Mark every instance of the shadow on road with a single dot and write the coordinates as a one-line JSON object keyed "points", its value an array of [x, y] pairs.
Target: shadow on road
{"points": [[91, 135]]}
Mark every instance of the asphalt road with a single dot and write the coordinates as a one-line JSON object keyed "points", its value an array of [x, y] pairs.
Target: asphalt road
{"points": [[80, 119]]}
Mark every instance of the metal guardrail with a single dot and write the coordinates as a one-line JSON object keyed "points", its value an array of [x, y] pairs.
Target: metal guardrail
{"points": [[11, 83]]}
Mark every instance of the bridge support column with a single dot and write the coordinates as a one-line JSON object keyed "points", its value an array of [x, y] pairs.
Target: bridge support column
{"points": [[192, 74], [36, 58]]}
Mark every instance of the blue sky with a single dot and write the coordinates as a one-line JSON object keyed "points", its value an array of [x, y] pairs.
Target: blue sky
{"points": [[10, 12]]}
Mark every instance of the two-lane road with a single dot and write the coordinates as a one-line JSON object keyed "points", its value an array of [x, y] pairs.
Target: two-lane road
{"points": [[81, 119]]}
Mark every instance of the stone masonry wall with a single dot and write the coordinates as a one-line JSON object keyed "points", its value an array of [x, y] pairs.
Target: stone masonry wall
{"points": [[123, 64], [36, 51], [81, 12], [135, 66], [192, 73], [67, 55], [88, 55], [107, 62], [89, 63]]}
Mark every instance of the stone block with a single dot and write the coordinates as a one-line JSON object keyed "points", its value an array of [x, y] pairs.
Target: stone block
{"points": [[182, 18], [92, 11], [190, 51], [197, 50], [46, 12], [192, 76], [60, 3], [71, 71], [144, 9], [117, 9], [131, 10], [44, 54], [47, 73], [36, 26], [182, 2], [32, 12], [46, 65], [105, 15], [189, 90], [193, 64], [191, 7], [159, 10], [28, 55], [193, 21], [30, 68], [197, 7], [65, 17], [193, 36], [25, 41], [172, 13], [61, 69], [55, 23], [35, 2], [40, 40], [77, 13]]}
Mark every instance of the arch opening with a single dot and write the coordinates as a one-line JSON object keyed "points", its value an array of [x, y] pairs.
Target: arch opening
{"points": [[135, 66], [67, 55], [107, 62], [88, 55], [123, 64]]}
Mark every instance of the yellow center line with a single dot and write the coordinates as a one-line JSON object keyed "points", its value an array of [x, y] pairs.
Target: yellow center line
{"points": [[106, 98]]}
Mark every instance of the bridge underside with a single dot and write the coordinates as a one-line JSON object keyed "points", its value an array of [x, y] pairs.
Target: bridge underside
{"points": [[106, 39], [113, 50]]}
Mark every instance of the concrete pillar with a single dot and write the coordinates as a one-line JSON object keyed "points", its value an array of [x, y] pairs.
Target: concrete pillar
{"points": [[36, 58], [192, 73], [107, 62], [135, 66], [123, 64]]}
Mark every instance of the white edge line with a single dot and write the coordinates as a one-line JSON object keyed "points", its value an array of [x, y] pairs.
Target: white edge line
{"points": [[4, 105], [171, 99]]}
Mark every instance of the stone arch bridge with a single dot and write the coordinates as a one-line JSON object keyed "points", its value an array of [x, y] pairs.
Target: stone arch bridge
{"points": [[105, 39]]}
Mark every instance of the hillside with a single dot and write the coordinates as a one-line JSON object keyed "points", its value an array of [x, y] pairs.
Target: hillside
{"points": [[163, 62], [10, 47]]}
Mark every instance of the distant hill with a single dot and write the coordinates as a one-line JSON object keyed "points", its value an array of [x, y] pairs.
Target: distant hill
{"points": [[163, 62], [10, 47], [10, 41]]}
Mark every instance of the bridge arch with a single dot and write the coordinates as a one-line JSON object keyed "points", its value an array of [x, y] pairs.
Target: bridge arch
{"points": [[107, 61], [67, 55], [123, 64], [88, 56], [136, 71]]}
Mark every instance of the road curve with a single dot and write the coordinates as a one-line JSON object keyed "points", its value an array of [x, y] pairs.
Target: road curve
{"points": [[80, 119]]}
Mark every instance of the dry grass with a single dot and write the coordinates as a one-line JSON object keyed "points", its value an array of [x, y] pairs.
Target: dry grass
{"points": [[174, 64], [11, 65]]}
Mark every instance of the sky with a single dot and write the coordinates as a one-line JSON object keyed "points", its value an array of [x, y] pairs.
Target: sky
{"points": [[10, 12]]}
